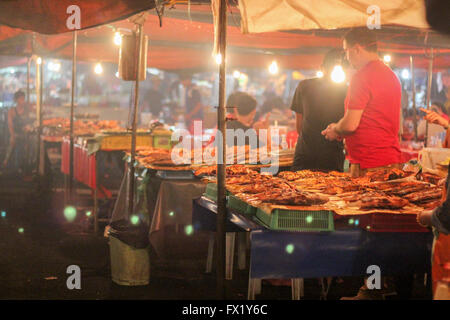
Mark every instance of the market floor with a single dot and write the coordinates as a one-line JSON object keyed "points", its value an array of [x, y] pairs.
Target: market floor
{"points": [[37, 246]]}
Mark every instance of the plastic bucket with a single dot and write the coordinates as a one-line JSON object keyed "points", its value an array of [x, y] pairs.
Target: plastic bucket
{"points": [[129, 266]]}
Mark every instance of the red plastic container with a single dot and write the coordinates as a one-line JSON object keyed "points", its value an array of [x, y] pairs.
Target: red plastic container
{"points": [[381, 222]]}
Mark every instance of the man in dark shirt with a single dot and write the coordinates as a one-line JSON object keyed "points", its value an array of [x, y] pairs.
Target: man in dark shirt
{"points": [[316, 102], [154, 98]]}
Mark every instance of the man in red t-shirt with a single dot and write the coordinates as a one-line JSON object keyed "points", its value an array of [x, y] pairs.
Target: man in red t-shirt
{"points": [[371, 122]]}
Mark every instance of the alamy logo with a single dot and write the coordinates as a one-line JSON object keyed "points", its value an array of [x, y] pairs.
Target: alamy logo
{"points": [[73, 22], [374, 20], [74, 280], [374, 280]]}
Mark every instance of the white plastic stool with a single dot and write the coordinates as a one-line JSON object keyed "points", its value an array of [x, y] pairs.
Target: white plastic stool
{"points": [[297, 288], [229, 251]]}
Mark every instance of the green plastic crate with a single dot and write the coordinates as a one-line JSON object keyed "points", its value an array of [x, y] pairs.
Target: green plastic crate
{"points": [[293, 220], [240, 206], [211, 191]]}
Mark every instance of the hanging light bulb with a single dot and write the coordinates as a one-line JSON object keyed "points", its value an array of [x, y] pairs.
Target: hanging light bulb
{"points": [[405, 74], [98, 68], [117, 38], [338, 74], [387, 58], [39, 60], [319, 74], [273, 68], [218, 58]]}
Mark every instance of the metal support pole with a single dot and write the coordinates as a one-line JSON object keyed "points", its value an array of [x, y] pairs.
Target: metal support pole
{"points": [[39, 115], [38, 100], [221, 163], [430, 77], [72, 105], [131, 182], [28, 80], [413, 88], [96, 198]]}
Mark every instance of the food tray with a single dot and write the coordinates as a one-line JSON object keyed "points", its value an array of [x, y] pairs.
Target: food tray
{"points": [[296, 220], [240, 206], [170, 174], [382, 222]]}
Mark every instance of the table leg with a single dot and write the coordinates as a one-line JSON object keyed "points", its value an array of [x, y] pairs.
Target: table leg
{"points": [[254, 287], [230, 240], [95, 212], [325, 284], [96, 200], [242, 250], [209, 258], [297, 286]]}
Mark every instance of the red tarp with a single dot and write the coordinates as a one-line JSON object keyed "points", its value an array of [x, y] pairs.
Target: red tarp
{"points": [[184, 44], [50, 16]]}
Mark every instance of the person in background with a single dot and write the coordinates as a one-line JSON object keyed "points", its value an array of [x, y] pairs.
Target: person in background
{"points": [[275, 109], [18, 125], [316, 103], [154, 98], [243, 115], [192, 101], [438, 124], [439, 219]]}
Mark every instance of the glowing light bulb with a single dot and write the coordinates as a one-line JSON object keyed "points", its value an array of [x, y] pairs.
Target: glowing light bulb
{"points": [[273, 68], [21, 230], [309, 219], [218, 58], [39, 60], [338, 74], [405, 74], [98, 69], [117, 74], [387, 58], [319, 74], [88, 213], [236, 74], [117, 38]]}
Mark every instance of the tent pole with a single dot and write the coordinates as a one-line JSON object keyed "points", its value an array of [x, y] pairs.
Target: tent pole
{"points": [[413, 88], [39, 115], [430, 77], [72, 105], [28, 79], [131, 184], [221, 163], [38, 104]]}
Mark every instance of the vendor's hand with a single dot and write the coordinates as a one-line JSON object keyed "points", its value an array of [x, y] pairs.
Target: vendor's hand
{"points": [[433, 117], [330, 133], [424, 218]]}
